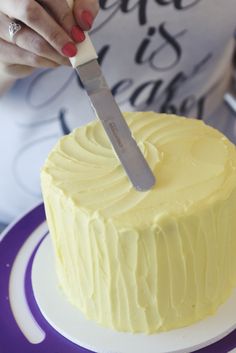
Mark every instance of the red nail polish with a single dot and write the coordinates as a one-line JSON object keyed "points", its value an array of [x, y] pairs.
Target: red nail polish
{"points": [[87, 18], [69, 50], [77, 34]]}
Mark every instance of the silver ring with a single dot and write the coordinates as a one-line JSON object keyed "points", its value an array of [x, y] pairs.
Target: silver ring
{"points": [[13, 28]]}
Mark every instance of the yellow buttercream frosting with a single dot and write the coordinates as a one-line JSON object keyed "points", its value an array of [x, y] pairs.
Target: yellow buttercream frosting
{"points": [[144, 261]]}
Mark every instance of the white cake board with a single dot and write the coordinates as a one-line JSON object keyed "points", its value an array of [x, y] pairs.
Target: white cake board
{"points": [[70, 322]]}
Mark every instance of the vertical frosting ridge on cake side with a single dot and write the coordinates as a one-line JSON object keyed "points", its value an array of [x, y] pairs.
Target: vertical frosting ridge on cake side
{"points": [[152, 261]]}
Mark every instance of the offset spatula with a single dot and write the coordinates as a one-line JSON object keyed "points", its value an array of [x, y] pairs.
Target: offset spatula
{"points": [[111, 117]]}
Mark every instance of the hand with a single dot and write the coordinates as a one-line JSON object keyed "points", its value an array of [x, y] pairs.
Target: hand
{"points": [[50, 30]]}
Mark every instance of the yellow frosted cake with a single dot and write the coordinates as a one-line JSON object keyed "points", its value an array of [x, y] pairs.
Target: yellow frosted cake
{"points": [[144, 261]]}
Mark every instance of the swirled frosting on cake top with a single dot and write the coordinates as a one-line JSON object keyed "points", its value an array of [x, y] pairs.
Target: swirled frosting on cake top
{"points": [[144, 261], [191, 162]]}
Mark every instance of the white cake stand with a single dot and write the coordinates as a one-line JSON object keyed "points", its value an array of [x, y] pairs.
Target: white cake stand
{"points": [[69, 322]]}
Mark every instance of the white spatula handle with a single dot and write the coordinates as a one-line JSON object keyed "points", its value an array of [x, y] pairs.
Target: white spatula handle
{"points": [[86, 50]]}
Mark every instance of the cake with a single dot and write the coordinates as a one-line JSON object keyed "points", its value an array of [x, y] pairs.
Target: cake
{"points": [[144, 261]]}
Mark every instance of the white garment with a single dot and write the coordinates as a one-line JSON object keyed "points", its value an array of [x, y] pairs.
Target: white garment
{"points": [[163, 55]]}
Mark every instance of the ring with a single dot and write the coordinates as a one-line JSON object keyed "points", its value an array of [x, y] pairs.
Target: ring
{"points": [[13, 28]]}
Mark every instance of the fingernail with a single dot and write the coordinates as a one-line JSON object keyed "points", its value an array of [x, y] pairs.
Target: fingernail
{"points": [[87, 18], [69, 50], [77, 34]]}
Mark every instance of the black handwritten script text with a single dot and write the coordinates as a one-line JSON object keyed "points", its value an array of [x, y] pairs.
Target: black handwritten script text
{"points": [[169, 42], [141, 7]]}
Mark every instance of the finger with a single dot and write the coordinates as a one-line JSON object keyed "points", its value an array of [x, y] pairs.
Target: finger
{"points": [[12, 54], [27, 39], [16, 71], [85, 12], [37, 18], [62, 13]]}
